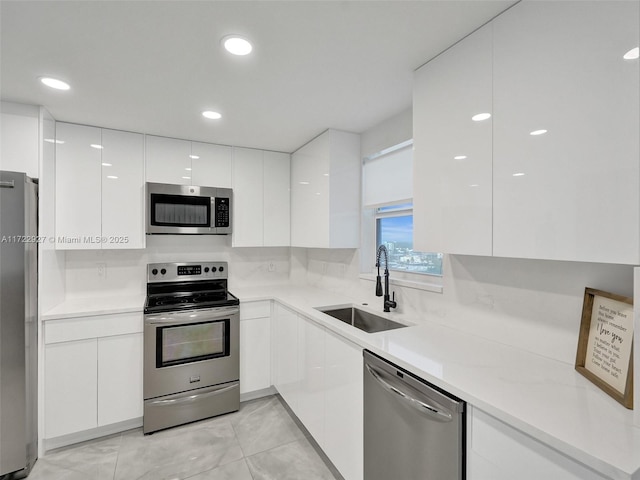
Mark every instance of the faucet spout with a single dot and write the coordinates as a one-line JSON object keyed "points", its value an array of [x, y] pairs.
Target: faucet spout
{"points": [[388, 303]]}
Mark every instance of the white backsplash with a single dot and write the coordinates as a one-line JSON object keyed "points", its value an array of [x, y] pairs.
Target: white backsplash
{"points": [[530, 304], [125, 270]]}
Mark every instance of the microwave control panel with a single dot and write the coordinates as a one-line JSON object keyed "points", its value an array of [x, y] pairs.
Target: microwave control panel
{"points": [[221, 206]]}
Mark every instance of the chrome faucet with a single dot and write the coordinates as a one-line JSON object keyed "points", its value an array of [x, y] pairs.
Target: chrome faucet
{"points": [[387, 302]]}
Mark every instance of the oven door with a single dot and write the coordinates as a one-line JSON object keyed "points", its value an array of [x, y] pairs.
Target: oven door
{"points": [[190, 349]]}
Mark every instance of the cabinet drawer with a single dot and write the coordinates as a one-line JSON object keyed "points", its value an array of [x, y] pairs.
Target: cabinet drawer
{"points": [[258, 309], [70, 329]]}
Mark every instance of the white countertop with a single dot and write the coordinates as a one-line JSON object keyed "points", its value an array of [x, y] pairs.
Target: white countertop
{"points": [[543, 398], [83, 307]]}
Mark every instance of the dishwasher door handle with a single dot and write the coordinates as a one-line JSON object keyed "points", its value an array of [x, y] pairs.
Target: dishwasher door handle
{"points": [[431, 411]]}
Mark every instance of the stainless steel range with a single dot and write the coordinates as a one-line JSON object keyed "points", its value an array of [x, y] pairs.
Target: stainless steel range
{"points": [[191, 344]]}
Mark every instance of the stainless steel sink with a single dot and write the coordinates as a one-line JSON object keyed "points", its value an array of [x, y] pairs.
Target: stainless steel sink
{"points": [[365, 321]]}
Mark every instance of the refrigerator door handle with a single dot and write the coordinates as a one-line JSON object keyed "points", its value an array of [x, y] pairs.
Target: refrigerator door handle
{"points": [[9, 184]]}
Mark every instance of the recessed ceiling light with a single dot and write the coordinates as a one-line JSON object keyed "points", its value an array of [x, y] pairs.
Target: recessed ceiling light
{"points": [[106, 165], [237, 45], [304, 183], [112, 177], [474, 185], [480, 117], [187, 178], [211, 115], [188, 169], [95, 145], [519, 174], [194, 157], [632, 54], [53, 140], [538, 132], [55, 83], [460, 157]]}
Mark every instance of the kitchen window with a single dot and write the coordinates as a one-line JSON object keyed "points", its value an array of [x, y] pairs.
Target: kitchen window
{"points": [[387, 219], [394, 229]]}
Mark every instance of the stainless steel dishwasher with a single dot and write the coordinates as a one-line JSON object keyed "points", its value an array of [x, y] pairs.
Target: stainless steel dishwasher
{"points": [[411, 430]]}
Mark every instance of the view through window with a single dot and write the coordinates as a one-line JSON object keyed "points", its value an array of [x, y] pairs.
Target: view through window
{"points": [[394, 229]]}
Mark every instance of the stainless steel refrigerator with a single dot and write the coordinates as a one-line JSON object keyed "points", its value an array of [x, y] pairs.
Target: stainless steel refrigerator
{"points": [[18, 324]]}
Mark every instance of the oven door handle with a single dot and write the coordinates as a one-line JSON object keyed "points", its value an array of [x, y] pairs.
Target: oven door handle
{"points": [[192, 398], [192, 316]]}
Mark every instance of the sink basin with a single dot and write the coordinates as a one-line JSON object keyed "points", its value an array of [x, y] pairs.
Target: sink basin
{"points": [[365, 321]]}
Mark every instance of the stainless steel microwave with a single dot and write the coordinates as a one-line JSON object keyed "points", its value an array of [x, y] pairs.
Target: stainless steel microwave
{"points": [[188, 209]]}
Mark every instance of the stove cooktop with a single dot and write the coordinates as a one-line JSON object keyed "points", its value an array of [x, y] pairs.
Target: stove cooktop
{"points": [[187, 286]]}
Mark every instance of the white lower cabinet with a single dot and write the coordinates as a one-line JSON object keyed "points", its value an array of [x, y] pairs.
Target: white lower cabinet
{"points": [[255, 346], [119, 378], [312, 385], [93, 373], [285, 375], [71, 396], [344, 441], [319, 375], [497, 451]]}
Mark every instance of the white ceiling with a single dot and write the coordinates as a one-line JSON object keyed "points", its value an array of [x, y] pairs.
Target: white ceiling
{"points": [[153, 66]]}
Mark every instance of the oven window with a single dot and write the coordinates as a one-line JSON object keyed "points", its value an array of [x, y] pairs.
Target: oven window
{"points": [[192, 343], [180, 210]]}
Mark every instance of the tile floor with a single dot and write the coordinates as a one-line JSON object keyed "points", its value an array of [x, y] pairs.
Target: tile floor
{"points": [[262, 441]]}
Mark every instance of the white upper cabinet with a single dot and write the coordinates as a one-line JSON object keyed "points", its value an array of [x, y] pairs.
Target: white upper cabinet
{"points": [[122, 189], [325, 192], [168, 160], [277, 199], [452, 189], [261, 198], [182, 162], [571, 192], [78, 189], [211, 165], [248, 194], [99, 188]]}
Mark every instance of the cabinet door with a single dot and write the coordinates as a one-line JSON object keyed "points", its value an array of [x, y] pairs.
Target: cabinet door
{"points": [[248, 197], [571, 193], [285, 373], [78, 190], [255, 353], [168, 160], [71, 403], [310, 170], [500, 452], [311, 364], [452, 181], [119, 378], [344, 442], [211, 165], [277, 195], [122, 189]]}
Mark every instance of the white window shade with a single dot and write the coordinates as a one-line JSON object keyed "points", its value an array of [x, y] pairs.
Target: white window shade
{"points": [[387, 178]]}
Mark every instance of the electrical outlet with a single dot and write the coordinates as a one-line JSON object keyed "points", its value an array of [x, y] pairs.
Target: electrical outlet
{"points": [[271, 267], [102, 270]]}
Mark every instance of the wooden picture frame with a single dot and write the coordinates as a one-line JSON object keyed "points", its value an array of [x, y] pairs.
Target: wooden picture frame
{"points": [[605, 344]]}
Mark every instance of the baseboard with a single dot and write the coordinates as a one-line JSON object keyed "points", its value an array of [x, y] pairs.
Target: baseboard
{"points": [[265, 392], [78, 437]]}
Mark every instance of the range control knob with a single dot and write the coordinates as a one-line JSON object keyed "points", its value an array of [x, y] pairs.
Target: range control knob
{"points": [[221, 269], [213, 269], [206, 269], [154, 271], [163, 271]]}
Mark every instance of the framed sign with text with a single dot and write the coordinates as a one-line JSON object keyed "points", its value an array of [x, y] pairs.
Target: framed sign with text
{"points": [[605, 344]]}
